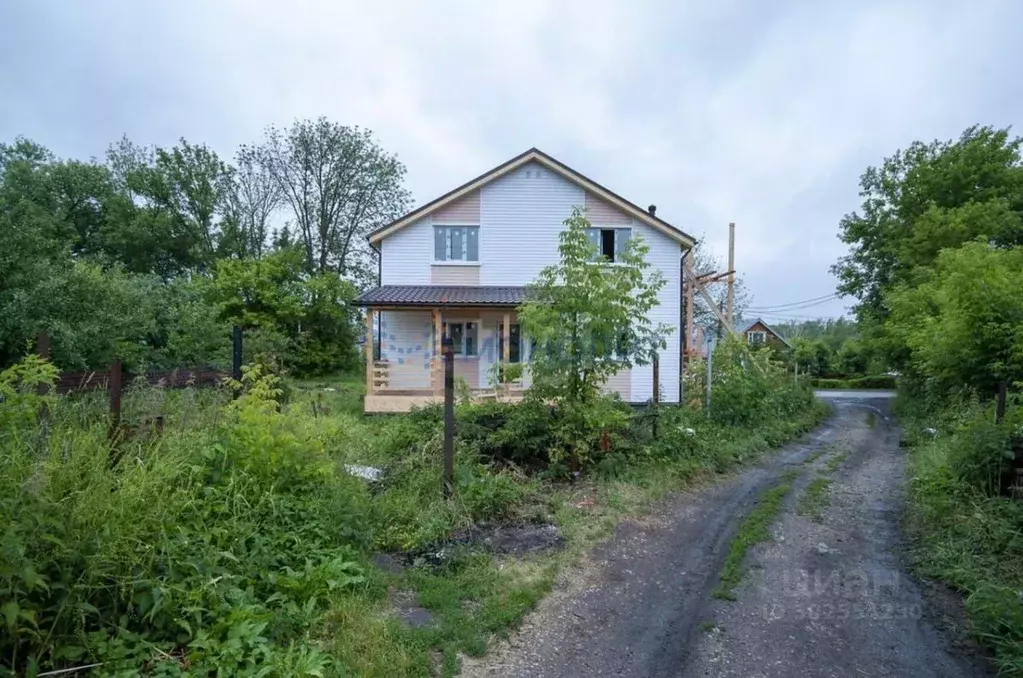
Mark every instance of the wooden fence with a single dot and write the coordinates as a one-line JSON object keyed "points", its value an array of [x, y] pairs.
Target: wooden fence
{"points": [[114, 379]]}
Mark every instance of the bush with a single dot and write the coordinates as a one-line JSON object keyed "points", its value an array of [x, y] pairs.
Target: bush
{"points": [[202, 552], [968, 536]]}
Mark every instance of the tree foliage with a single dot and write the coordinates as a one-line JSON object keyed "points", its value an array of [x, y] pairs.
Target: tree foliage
{"points": [[151, 253], [340, 185], [588, 321], [935, 261]]}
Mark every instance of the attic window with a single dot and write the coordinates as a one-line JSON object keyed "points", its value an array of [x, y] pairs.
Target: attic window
{"points": [[609, 242]]}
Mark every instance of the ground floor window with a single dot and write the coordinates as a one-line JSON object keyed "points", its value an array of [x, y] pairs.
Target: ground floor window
{"points": [[464, 337], [514, 343]]}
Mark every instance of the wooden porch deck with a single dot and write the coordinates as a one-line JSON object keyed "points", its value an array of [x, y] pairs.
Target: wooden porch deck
{"points": [[382, 397], [403, 400]]}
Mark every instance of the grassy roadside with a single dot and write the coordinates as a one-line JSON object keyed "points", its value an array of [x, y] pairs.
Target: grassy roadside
{"points": [[242, 540], [962, 534], [478, 597]]}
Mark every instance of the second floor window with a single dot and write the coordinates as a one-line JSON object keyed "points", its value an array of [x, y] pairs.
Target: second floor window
{"points": [[610, 242], [456, 243]]}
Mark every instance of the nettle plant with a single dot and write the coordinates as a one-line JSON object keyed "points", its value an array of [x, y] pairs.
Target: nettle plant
{"points": [[589, 319]]}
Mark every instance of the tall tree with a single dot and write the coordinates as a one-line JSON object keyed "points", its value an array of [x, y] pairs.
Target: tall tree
{"points": [[253, 195], [926, 198], [340, 186], [193, 182]]}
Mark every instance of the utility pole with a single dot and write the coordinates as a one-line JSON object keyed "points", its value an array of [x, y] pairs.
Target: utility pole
{"points": [[731, 274]]}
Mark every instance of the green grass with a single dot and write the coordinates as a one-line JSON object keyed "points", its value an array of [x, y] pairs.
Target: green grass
{"points": [[834, 462], [966, 538], [755, 529], [814, 499], [230, 475]]}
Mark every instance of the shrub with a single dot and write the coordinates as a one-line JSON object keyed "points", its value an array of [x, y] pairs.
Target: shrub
{"points": [[489, 496], [213, 547], [979, 453]]}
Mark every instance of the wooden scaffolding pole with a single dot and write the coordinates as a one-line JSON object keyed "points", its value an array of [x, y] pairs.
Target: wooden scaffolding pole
{"points": [[369, 352], [436, 364], [729, 316], [506, 347]]}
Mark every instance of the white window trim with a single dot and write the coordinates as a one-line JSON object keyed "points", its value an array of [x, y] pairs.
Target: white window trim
{"points": [[462, 355], [756, 337], [612, 227], [458, 224]]}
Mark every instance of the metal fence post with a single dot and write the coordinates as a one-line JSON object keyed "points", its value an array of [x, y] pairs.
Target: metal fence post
{"points": [[449, 416], [114, 387], [236, 362], [1003, 387], [710, 367], [43, 351], [657, 391]]}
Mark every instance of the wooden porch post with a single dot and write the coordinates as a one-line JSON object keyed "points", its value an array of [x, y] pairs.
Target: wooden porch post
{"points": [[369, 352], [507, 347], [435, 362]]}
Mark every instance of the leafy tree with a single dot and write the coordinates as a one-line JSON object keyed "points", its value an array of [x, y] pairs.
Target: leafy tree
{"points": [[963, 322], [192, 182], [812, 356], [326, 342], [340, 185], [253, 195], [264, 292], [588, 321], [925, 198]]}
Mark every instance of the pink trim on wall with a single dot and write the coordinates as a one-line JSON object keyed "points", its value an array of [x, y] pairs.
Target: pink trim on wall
{"points": [[465, 210], [601, 212]]}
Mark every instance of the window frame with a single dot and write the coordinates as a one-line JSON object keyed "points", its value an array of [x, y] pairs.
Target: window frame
{"points": [[522, 358], [756, 337], [601, 257], [461, 349], [447, 244]]}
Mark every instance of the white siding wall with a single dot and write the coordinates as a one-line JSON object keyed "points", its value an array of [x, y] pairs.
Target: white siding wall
{"points": [[407, 255], [521, 217], [406, 342], [665, 256]]}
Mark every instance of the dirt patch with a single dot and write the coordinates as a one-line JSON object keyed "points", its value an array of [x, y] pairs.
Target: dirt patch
{"points": [[498, 539], [406, 606]]}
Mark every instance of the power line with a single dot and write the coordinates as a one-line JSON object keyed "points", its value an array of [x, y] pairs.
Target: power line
{"points": [[794, 305]]}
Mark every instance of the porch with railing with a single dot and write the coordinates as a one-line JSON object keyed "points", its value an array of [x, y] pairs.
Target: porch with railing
{"points": [[402, 383]]}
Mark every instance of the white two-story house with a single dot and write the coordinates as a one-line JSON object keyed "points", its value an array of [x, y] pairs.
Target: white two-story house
{"points": [[459, 265]]}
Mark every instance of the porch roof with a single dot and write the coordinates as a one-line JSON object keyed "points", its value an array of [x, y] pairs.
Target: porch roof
{"points": [[443, 296]]}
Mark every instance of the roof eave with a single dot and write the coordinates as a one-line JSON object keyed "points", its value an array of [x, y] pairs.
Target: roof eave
{"points": [[534, 154]]}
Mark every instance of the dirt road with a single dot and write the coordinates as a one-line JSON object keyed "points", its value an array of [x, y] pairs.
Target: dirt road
{"points": [[827, 596]]}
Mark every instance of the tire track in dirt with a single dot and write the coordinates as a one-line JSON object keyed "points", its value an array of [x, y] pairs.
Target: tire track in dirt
{"points": [[824, 598]]}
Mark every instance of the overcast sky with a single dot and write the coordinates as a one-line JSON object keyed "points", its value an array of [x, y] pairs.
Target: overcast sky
{"points": [[762, 113]]}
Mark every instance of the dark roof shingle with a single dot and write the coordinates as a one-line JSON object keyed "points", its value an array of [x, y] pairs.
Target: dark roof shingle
{"points": [[442, 295]]}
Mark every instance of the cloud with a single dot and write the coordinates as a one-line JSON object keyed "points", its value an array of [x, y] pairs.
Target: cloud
{"points": [[758, 113]]}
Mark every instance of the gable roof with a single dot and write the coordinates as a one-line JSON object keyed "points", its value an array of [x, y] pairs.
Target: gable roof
{"points": [[770, 329], [538, 156]]}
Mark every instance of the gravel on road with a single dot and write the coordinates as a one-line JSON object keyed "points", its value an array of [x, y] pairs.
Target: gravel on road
{"points": [[827, 596]]}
